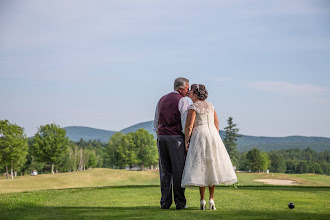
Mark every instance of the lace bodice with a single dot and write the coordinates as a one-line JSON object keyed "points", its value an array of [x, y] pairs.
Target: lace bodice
{"points": [[204, 113]]}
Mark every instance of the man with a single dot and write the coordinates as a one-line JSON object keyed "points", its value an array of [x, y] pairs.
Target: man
{"points": [[170, 142]]}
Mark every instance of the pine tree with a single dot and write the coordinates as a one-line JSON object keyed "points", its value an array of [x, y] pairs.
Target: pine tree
{"points": [[230, 140]]}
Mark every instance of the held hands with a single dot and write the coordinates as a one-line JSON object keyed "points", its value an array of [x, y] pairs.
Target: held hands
{"points": [[186, 146]]}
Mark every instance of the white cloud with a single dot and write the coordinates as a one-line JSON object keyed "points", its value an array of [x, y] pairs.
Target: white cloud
{"points": [[289, 88]]}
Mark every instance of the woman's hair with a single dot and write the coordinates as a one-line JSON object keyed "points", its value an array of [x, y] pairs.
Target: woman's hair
{"points": [[180, 83], [200, 91]]}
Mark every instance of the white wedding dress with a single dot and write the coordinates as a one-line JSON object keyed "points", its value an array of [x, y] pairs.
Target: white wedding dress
{"points": [[207, 161]]}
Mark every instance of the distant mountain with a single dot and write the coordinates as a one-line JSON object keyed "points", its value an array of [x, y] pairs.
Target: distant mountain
{"points": [[245, 143], [75, 133], [148, 125]]}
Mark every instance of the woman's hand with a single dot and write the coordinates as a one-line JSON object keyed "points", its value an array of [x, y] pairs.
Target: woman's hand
{"points": [[189, 127], [186, 146]]}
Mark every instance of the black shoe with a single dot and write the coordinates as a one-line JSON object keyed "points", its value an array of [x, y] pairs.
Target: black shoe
{"points": [[182, 207], [165, 207]]}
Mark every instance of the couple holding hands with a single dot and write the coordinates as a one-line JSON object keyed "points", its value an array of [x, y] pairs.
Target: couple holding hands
{"points": [[191, 152]]}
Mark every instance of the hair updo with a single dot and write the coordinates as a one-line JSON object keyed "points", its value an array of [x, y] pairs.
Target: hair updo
{"points": [[200, 91]]}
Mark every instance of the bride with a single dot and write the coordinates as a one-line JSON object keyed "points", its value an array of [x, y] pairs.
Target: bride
{"points": [[207, 162]]}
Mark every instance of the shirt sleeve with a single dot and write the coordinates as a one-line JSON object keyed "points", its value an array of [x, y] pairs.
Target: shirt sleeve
{"points": [[184, 120], [156, 119], [183, 108]]}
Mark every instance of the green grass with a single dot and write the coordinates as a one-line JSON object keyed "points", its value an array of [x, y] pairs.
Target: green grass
{"points": [[313, 177], [109, 177], [301, 179], [142, 202], [113, 194]]}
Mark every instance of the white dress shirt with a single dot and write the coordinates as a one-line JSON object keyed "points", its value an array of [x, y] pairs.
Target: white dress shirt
{"points": [[182, 106]]}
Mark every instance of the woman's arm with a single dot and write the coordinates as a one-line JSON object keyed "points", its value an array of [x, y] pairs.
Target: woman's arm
{"points": [[216, 120], [189, 127]]}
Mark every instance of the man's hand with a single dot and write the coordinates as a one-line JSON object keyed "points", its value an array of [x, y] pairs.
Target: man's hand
{"points": [[186, 146]]}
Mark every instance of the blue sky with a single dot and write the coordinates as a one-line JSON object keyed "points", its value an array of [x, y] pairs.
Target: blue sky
{"points": [[105, 64]]}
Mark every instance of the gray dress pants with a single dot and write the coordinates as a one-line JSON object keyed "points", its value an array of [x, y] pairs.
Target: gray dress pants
{"points": [[171, 163]]}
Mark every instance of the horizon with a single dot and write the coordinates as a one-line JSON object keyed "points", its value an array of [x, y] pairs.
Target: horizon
{"points": [[105, 64], [219, 130]]}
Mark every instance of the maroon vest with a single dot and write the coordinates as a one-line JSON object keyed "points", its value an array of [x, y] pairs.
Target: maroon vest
{"points": [[169, 117]]}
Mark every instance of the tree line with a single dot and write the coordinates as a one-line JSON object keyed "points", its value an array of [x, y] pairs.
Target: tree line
{"points": [[277, 161], [286, 161], [50, 151]]}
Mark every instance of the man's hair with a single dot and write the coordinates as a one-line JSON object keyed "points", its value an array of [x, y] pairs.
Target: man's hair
{"points": [[180, 83]]}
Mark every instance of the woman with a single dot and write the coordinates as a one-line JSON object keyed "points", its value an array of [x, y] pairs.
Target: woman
{"points": [[207, 162]]}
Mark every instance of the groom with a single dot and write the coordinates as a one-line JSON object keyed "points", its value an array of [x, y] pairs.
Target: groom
{"points": [[170, 142]]}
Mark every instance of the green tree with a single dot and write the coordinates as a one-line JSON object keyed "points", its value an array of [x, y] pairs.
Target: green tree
{"points": [[13, 146], [127, 151], [243, 162], [112, 156], [277, 164], [50, 143], [318, 168], [291, 166], [311, 167], [325, 167], [265, 161], [92, 159], [72, 157], [257, 160], [302, 167], [147, 148], [83, 158], [230, 140], [32, 163]]}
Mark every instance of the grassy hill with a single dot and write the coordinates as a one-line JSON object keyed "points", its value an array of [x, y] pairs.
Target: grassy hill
{"points": [[245, 143], [89, 178]]}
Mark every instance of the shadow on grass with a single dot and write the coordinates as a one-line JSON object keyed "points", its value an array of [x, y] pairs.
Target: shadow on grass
{"points": [[260, 187], [150, 212], [15, 207], [265, 187]]}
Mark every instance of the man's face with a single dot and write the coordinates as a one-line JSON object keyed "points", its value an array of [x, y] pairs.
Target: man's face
{"points": [[191, 94], [184, 91]]}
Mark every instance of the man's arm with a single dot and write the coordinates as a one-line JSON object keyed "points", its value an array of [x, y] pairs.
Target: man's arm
{"points": [[183, 106], [184, 120], [156, 119]]}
